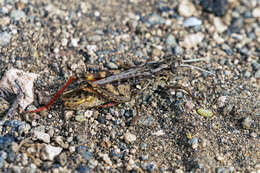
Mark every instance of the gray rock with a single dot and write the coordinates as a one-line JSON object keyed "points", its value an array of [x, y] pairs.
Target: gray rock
{"points": [[247, 74], [4, 38], [18, 15], [257, 74], [178, 50], [170, 40], [154, 19]]}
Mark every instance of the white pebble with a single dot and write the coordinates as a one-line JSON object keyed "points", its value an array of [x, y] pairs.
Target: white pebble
{"points": [[221, 101], [105, 158], [256, 12], [219, 158], [64, 42], [129, 137], [49, 115], [49, 152], [74, 42], [41, 136], [92, 163], [186, 8], [88, 113], [192, 40], [219, 25]]}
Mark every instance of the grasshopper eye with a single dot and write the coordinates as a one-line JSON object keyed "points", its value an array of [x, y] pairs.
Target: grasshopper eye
{"points": [[175, 65]]}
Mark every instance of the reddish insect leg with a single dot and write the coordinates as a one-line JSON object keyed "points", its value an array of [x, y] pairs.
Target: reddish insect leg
{"points": [[108, 105], [54, 98]]}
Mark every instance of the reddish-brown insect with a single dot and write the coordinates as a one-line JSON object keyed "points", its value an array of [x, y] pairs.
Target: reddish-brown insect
{"points": [[108, 88]]}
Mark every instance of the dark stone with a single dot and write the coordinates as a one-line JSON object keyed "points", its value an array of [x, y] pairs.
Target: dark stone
{"points": [[217, 7]]}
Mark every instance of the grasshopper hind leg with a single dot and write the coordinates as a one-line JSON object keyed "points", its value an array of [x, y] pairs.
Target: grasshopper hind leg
{"points": [[79, 99]]}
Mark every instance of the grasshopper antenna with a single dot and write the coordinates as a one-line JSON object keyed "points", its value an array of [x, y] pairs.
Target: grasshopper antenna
{"points": [[195, 67], [198, 68]]}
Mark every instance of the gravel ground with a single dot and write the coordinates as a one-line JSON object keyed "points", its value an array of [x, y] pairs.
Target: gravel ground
{"points": [[175, 133]]}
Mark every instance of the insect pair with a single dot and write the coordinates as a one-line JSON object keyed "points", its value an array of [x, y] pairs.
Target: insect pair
{"points": [[107, 88]]}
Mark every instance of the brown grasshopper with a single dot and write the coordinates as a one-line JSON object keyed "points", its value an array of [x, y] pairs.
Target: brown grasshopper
{"points": [[107, 88]]}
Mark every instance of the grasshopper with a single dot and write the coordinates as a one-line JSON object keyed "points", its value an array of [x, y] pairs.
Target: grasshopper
{"points": [[107, 88]]}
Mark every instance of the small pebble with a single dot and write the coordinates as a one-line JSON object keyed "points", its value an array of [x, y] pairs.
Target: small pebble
{"points": [[194, 142], [131, 165], [218, 38], [225, 169], [45, 137], [247, 74], [178, 171], [15, 169], [49, 152], [112, 65], [256, 12], [205, 112], [95, 38], [219, 7], [219, 158], [253, 135], [186, 8], [191, 40], [88, 113], [246, 123], [156, 52], [18, 15], [15, 147], [64, 42], [49, 116], [219, 25], [74, 42], [105, 158], [92, 48], [83, 169], [4, 21], [143, 146], [178, 50], [192, 21], [154, 19], [189, 105], [129, 137], [24, 159], [80, 118], [145, 157], [221, 101], [92, 163], [170, 40], [150, 166], [257, 74], [5, 38], [59, 140], [158, 133], [87, 155]]}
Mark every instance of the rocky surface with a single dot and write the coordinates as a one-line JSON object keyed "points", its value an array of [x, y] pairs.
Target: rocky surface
{"points": [[175, 133]]}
